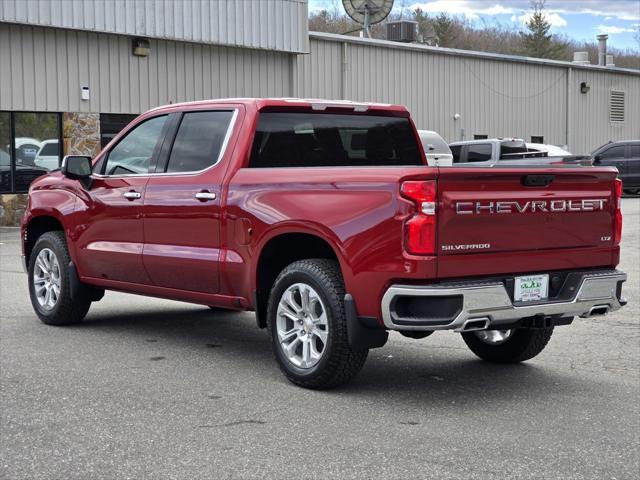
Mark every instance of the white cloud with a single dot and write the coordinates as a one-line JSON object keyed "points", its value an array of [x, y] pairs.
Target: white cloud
{"points": [[612, 30], [628, 10], [470, 9], [553, 18]]}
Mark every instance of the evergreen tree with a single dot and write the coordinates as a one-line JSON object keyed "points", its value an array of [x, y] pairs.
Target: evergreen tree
{"points": [[446, 30], [537, 41]]}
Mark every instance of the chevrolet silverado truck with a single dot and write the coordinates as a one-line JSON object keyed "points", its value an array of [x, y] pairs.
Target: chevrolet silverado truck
{"points": [[324, 218]]}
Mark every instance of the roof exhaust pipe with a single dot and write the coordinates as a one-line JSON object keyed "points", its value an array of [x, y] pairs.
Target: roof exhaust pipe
{"points": [[602, 49]]}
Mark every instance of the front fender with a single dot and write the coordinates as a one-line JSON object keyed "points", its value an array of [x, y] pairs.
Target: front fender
{"points": [[56, 204]]}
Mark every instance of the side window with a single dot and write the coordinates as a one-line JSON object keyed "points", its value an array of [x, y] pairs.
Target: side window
{"points": [[199, 140], [132, 154], [455, 151], [479, 153], [635, 151], [613, 152]]}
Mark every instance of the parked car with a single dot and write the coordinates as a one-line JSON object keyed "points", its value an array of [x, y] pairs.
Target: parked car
{"points": [[510, 152], [436, 149], [625, 156], [245, 204], [26, 150], [49, 155], [25, 174]]}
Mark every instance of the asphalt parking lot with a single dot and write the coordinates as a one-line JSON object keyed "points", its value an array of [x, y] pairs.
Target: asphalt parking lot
{"points": [[147, 388]]}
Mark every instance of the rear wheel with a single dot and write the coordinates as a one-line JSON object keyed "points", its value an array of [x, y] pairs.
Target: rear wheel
{"points": [[508, 346], [50, 282], [307, 323]]}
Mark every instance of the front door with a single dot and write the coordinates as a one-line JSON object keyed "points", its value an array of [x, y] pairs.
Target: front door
{"points": [[110, 231], [614, 157], [182, 209]]}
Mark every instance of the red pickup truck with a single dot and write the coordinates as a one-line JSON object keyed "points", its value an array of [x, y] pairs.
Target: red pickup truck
{"points": [[324, 219]]}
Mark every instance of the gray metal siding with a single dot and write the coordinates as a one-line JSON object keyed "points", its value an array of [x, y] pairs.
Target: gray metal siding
{"points": [[494, 98], [43, 69], [266, 24], [592, 127], [46, 68]]}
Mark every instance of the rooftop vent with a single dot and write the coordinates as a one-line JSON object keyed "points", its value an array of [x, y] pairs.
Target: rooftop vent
{"points": [[581, 58], [610, 61], [402, 31]]}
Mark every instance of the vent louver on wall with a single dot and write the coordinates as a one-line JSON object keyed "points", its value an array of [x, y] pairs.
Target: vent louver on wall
{"points": [[616, 106]]}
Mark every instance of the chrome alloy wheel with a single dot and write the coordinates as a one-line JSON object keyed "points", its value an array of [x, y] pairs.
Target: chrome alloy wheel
{"points": [[302, 325], [46, 279], [494, 337]]}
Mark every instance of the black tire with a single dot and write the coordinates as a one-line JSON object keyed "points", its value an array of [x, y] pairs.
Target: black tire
{"points": [[66, 311], [339, 362], [524, 344]]}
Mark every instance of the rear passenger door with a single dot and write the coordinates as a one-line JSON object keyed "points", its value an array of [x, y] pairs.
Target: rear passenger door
{"points": [[182, 207]]}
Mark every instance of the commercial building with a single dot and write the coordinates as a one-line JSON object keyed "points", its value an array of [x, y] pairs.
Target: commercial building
{"points": [[73, 73]]}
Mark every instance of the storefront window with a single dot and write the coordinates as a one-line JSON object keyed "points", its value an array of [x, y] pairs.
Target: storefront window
{"points": [[5, 157], [36, 148]]}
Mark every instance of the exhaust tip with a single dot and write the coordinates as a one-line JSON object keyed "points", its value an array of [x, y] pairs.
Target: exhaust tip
{"points": [[475, 324], [599, 310]]}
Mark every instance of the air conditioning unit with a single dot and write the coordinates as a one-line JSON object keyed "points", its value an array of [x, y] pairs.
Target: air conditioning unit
{"points": [[402, 31]]}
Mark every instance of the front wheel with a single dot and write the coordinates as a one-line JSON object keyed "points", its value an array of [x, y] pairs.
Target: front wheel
{"points": [[307, 323], [50, 282], [508, 346]]}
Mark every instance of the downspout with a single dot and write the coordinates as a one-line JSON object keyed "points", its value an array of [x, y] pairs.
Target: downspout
{"points": [[343, 72], [568, 107]]}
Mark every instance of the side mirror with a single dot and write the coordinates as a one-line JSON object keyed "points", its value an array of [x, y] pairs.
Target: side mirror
{"points": [[76, 167], [596, 159]]}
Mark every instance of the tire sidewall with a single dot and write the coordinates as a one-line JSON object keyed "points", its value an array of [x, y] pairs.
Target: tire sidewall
{"points": [[42, 243], [284, 282]]}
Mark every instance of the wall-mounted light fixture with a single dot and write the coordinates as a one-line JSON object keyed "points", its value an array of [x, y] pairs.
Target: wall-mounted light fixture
{"points": [[140, 47], [456, 116], [584, 87]]}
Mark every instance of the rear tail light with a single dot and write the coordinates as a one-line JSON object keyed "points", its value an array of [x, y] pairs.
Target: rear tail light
{"points": [[617, 214], [420, 230]]}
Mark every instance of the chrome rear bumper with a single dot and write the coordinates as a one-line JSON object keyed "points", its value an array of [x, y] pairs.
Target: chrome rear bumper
{"points": [[469, 306]]}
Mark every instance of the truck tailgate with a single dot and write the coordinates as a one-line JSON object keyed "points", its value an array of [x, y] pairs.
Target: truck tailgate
{"points": [[510, 220]]}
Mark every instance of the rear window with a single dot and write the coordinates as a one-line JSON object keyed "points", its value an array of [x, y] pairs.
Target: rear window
{"points": [[333, 140], [479, 153], [49, 149]]}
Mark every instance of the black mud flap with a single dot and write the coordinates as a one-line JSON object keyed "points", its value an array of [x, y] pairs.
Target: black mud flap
{"points": [[361, 336], [78, 289]]}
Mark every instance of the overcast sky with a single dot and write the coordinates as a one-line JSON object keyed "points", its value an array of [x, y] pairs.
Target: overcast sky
{"points": [[578, 19]]}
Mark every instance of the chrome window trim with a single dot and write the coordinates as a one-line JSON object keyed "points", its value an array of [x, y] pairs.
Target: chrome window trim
{"points": [[223, 150]]}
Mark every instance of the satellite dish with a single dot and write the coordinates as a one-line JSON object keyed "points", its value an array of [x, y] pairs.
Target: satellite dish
{"points": [[368, 12]]}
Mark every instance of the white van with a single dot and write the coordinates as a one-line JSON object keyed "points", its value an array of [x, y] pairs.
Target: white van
{"points": [[436, 149]]}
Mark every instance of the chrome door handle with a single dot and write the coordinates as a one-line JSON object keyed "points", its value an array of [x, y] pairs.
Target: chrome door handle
{"points": [[132, 195], [205, 196]]}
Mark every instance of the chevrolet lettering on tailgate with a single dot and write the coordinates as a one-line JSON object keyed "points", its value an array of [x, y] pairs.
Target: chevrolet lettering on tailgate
{"points": [[533, 206]]}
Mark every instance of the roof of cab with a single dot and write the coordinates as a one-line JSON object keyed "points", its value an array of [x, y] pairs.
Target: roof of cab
{"points": [[293, 103]]}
